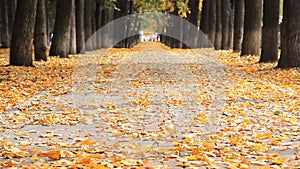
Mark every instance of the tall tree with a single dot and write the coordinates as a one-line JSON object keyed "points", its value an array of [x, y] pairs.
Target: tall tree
{"points": [[239, 14], [231, 25], [204, 22], [40, 32], [5, 36], [12, 6], [98, 15], [218, 38], [104, 21], [212, 21], [88, 6], [193, 19], [72, 50], [22, 35], [80, 36], [270, 31], [252, 28], [290, 35], [62, 27], [226, 12]]}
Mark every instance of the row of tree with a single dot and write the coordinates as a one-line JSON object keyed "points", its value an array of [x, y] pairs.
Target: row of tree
{"points": [[246, 26]]}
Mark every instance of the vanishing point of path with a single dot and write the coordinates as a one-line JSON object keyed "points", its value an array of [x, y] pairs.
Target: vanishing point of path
{"points": [[152, 106]]}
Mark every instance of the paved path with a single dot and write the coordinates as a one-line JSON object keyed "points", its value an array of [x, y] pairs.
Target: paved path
{"points": [[140, 104]]}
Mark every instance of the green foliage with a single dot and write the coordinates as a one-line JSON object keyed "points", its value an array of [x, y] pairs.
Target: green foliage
{"points": [[277, 112], [163, 6], [107, 4]]}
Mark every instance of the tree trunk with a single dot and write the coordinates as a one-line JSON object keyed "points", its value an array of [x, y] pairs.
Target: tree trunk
{"points": [[239, 14], [204, 22], [93, 17], [72, 50], [290, 35], [212, 21], [80, 36], [225, 23], [12, 5], [40, 32], [120, 30], [104, 21], [22, 35], [88, 23], [5, 38], [252, 35], [62, 27], [231, 25], [218, 39], [270, 31], [192, 18], [98, 15]]}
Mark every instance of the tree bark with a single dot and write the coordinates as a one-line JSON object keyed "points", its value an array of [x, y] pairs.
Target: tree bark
{"points": [[5, 38], [72, 50], [62, 27], [290, 35], [270, 31], [12, 5], [80, 36], [212, 21], [239, 14], [105, 36], [40, 32], [204, 22], [252, 35], [225, 23], [88, 23], [192, 18], [98, 15], [22, 35], [218, 38], [94, 29], [231, 25]]}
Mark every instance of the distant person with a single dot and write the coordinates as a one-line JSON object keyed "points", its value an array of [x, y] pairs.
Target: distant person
{"points": [[50, 38]]}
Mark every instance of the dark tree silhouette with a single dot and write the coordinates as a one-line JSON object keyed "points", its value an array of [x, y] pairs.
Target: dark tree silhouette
{"points": [[270, 31], [212, 21], [204, 22], [239, 14], [73, 30], [22, 35], [88, 6], [40, 32], [218, 38], [61, 34], [226, 13], [5, 36], [252, 28], [290, 35], [80, 36]]}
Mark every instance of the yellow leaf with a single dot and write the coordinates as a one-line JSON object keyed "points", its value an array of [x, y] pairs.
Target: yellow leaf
{"points": [[95, 155], [278, 161], [33, 158], [192, 158], [234, 141]]}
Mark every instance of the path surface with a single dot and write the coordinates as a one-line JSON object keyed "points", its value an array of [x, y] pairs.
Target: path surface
{"points": [[152, 106]]}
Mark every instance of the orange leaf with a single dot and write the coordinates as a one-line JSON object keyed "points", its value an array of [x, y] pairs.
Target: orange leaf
{"points": [[95, 155], [87, 142], [54, 155]]}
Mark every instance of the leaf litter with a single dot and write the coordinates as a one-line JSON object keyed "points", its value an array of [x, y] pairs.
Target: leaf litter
{"points": [[148, 110]]}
